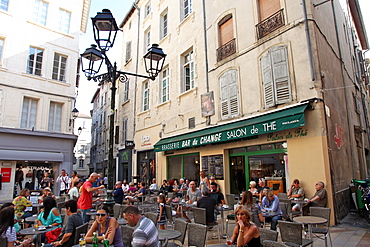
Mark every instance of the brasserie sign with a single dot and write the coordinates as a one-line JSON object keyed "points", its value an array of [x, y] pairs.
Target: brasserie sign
{"points": [[222, 134]]}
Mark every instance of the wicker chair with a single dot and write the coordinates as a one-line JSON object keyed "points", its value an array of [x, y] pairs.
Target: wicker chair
{"points": [[282, 196], [82, 229], [116, 210], [322, 229], [270, 243], [3, 241], [168, 211], [152, 216], [267, 234], [230, 198], [291, 234], [127, 232], [181, 226], [200, 218], [197, 234]]}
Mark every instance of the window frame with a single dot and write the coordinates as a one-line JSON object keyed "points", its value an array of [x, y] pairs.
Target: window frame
{"points": [[60, 75], [33, 69], [31, 118], [148, 9], [4, 5], [164, 24], [40, 12], [146, 91], [128, 51], [81, 163], [55, 116], [187, 8], [165, 89], [188, 65], [2, 44], [146, 40], [64, 26]]}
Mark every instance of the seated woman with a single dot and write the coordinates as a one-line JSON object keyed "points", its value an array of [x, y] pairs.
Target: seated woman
{"points": [[253, 188], [253, 208], [137, 194], [50, 215], [245, 233], [46, 192], [7, 228], [107, 228], [21, 203]]}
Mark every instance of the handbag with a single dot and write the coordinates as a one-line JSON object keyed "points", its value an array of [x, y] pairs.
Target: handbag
{"points": [[52, 236]]}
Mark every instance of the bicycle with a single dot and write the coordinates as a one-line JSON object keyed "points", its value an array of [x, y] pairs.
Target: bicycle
{"points": [[366, 200]]}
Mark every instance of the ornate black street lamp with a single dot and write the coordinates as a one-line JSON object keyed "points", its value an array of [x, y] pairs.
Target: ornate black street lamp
{"points": [[105, 32]]}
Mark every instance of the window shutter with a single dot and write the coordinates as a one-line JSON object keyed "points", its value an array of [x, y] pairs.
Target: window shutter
{"points": [[267, 8], [280, 73], [229, 94], [268, 89], [226, 31]]}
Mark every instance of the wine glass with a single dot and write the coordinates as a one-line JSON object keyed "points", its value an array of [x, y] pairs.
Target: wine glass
{"points": [[228, 240]]}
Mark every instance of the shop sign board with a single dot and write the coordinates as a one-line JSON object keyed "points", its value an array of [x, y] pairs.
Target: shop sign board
{"points": [[215, 136], [6, 173]]}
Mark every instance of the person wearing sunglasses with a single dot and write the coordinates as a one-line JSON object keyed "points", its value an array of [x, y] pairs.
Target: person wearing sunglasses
{"points": [[296, 192], [245, 233], [107, 228]]}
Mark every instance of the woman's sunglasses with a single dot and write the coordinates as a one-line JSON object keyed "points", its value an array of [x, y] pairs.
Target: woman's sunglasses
{"points": [[102, 215]]}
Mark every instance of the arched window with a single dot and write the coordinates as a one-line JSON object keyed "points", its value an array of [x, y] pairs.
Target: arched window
{"points": [[226, 38]]}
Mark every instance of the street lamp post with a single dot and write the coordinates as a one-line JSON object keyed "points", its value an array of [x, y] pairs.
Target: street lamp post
{"points": [[105, 31]]}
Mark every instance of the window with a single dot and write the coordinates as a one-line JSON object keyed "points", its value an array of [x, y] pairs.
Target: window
{"points": [[226, 29], [128, 51], [229, 94], [64, 21], [1, 49], [147, 9], [188, 8], [40, 12], [145, 96], [165, 86], [29, 111], [164, 23], [59, 67], [147, 40], [4, 4], [267, 8], [124, 130], [188, 72], [126, 92], [275, 76], [80, 163], [55, 117], [35, 61]]}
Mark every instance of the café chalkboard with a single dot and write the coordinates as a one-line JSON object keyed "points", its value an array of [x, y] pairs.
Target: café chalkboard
{"points": [[213, 165]]}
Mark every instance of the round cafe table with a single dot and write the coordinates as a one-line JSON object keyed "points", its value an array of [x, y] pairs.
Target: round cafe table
{"points": [[32, 231], [169, 234], [310, 220], [31, 218]]}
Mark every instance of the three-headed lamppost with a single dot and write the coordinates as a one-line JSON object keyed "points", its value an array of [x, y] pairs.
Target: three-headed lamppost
{"points": [[105, 30]]}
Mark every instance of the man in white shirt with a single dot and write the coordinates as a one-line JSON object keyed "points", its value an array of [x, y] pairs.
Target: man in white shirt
{"points": [[64, 181], [73, 193], [125, 186], [154, 186]]}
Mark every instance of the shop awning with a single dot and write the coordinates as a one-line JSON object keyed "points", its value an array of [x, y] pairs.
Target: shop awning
{"points": [[277, 120], [18, 155]]}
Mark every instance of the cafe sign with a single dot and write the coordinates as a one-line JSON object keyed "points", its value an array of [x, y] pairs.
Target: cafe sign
{"points": [[222, 134]]}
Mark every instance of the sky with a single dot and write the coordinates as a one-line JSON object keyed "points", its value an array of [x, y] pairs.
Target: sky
{"points": [[119, 9]]}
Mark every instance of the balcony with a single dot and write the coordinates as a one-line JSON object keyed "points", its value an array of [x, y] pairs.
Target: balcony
{"points": [[270, 24], [226, 50]]}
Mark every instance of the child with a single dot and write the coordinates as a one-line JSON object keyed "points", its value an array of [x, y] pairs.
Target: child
{"points": [[161, 199]]}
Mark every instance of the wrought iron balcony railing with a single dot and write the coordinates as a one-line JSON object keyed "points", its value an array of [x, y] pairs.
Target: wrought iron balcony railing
{"points": [[270, 24], [226, 50]]}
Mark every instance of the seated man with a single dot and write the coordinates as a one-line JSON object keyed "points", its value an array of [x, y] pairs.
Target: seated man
{"points": [[218, 196], [209, 204], [67, 236], [193, 195], [154, 186], [145, 232], [318, 200], [296, 192], [271, 203]]}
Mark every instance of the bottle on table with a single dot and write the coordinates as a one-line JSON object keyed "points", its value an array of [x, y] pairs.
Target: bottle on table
{"points": [[95, 241], [82, 240]]}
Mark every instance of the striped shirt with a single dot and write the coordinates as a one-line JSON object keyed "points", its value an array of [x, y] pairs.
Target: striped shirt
{"points": [[145, 234]]}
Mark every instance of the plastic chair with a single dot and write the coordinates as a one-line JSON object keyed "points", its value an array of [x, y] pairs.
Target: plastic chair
{"points": [[322, 229], [291, 234], [197, 234], [230, 198], [267, 234], [127, 232], [181, 226], [270, 243], [79, 230], [200, 218]]}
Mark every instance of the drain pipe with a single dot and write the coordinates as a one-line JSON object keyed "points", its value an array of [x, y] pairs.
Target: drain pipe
{"points": [[308, 40], [137, 61]]}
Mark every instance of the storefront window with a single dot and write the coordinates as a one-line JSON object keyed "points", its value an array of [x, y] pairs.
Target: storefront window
{"points": [[267, 147], [237, 150], [187, 166], [253, 148]]}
